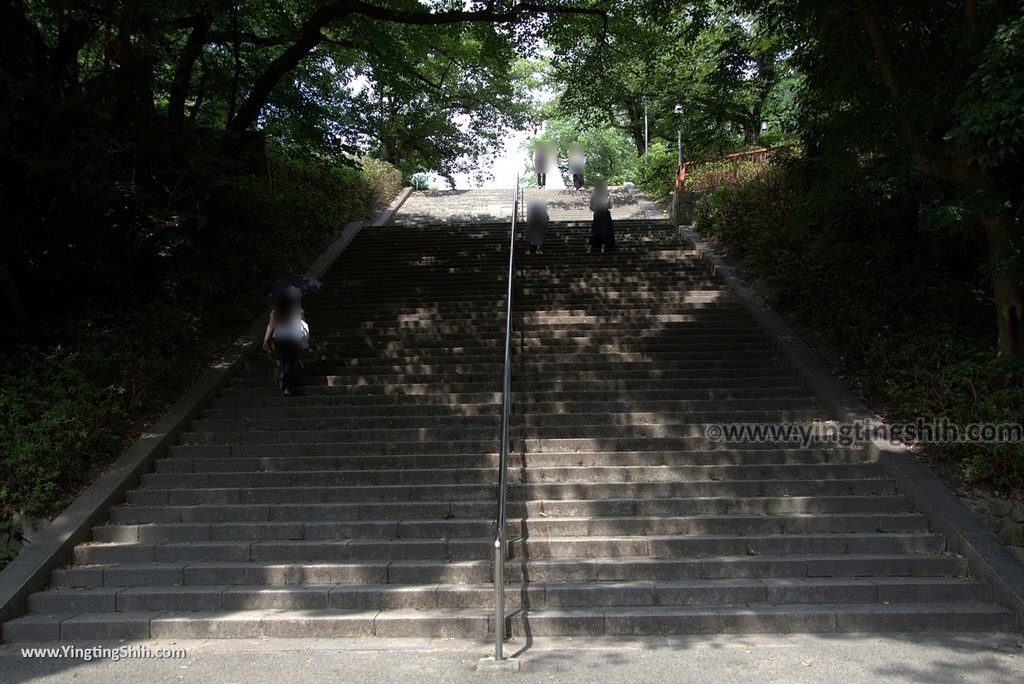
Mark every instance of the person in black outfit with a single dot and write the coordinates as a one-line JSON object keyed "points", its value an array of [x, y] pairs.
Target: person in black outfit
{"points": [[602, 232]]}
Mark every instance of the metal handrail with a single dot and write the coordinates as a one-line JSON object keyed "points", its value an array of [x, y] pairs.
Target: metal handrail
{"points": [[499, 539], [757, 155]]}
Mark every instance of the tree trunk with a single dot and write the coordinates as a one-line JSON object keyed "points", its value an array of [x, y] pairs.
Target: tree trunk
{"points": [[204, 80], [134, 77], [64, 61], [236, 57], [752, 129], [12, 298], [954, 167], [635, 114], [1006, 287], [183, 71]]}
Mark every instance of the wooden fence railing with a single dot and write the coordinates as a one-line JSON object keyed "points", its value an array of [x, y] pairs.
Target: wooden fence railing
{"points": [[704, 174]]}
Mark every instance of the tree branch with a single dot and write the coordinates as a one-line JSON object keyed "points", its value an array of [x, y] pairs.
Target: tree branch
{"points": [[310, 36], [488, 15], [222, 37], [183, 70]]}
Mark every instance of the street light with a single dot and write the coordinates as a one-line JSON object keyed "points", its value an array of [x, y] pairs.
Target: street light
{"points": [[645, 126], [679, 134]]}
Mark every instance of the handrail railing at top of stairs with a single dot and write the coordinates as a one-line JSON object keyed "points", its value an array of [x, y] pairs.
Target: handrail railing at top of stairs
{"points": [[506, 389]]}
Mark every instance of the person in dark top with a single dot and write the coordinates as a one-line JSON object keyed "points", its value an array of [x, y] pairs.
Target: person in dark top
{"points": [[287, 334]]}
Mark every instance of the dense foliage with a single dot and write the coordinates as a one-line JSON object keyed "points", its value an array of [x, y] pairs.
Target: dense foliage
{"points": [[925, 97], [904, 320], [727, 71], [87, 374], [610, 153]]}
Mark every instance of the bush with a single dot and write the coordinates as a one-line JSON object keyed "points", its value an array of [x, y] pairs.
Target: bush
{"points": [[100, 367], [54, 420], [936, 376], [384, 179], [656, 172], [897, 308], [752, 218]]}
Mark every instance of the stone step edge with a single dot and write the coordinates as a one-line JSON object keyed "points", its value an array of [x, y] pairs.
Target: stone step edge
{"points": [[954, 616], [886, 589]]}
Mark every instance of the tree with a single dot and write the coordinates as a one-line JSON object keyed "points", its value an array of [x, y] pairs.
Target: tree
{"points": [[723, 67], [610, 153], [430, 101], [933, 90]]}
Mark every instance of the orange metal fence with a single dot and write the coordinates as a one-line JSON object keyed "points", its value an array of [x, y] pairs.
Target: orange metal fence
{"points": [[728, 169]]}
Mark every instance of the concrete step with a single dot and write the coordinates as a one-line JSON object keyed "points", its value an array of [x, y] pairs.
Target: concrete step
{"points": [[523, 363], [637, 388], [476, 492], [544, 445], [488, 362], [140, 512], [535, 596], [489, 411], [471, 433], [319, 377], [549, 474], [535, 420], [895, 617], [243, 398], [456, 548], [581, 342], [248, 624], [445, 572], [525, 360], [481, 527], [182, 460], [476, 623]]}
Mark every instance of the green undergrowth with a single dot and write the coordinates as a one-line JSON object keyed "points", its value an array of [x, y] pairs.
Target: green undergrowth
{"points": [[899, 306], [99, 361]]}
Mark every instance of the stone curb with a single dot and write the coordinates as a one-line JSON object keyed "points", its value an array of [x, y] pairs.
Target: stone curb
{"points": [[987, 557], [393, 208], [30, 570]]}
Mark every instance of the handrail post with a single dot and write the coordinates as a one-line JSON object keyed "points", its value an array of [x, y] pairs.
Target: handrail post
{"points": [[506, 396]]}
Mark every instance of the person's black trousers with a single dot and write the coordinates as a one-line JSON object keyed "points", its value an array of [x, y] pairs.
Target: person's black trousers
{"points": [[577, 180], [602, 234], [288, 351], [541, 179]]}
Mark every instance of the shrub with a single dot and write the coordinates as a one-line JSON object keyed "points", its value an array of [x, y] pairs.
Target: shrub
{"points": [[53, 421], [897, 309], [98, 371], [384, 179], [656, 170]]}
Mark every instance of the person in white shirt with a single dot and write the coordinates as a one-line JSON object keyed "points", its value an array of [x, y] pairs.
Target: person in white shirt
{"points": [[287, 334]]}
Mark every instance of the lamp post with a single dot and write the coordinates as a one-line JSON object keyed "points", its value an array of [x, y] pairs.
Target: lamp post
{"points": [[645, 126], [679, 134]]}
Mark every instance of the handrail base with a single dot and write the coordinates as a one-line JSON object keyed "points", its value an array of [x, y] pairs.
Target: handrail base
{"points": [[489, 664]]}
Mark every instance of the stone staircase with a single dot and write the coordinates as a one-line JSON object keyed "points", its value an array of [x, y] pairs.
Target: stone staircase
{"points": [[365, 505]]}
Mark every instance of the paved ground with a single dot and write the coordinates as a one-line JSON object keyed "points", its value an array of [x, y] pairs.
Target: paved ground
{"points": [[925, 658], [476, 206]]}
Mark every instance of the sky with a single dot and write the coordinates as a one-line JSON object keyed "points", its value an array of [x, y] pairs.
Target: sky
{"points": [[511, 161], [503, 167]]}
